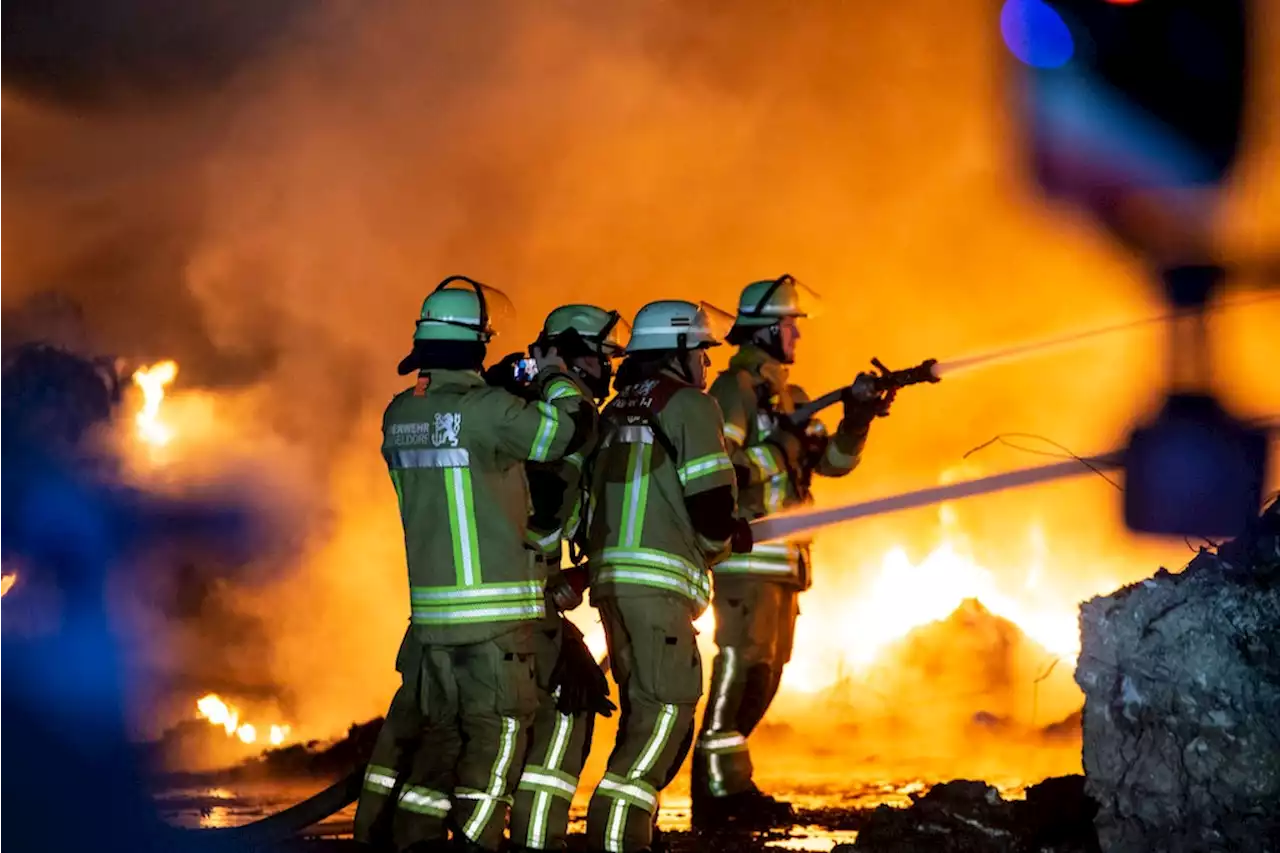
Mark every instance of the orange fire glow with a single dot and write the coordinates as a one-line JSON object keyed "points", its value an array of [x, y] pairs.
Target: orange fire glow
{"points": [[7, 582], [152, 380], [217, 711]]}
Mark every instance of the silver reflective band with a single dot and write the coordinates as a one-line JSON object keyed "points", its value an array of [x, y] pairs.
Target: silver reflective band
{"points": [[633, 791], [635, 435], [437, 801], [548, 781], [423, 594], [438, 457], [713, 742], [380, 780]]}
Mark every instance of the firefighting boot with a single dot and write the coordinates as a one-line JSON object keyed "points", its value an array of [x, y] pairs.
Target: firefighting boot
{"points": [[750, 809]]}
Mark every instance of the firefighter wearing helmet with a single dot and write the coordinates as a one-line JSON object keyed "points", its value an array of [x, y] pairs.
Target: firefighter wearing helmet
{"points": [[663, 496], [572, 688], [756, 594], [449, 753]]}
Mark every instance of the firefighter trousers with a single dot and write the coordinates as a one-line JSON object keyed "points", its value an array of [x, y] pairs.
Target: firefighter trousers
{"points": [[448, 755], [755, 625], [659, 675], [558, 747]]}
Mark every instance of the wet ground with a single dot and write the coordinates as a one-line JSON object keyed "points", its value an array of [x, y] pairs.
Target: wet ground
{"points": [[826, 815]]}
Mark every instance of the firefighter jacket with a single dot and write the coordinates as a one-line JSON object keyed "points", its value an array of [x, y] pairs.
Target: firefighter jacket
{"points": [[556, 487], [660, 447], [456, 450], [753, 393]]}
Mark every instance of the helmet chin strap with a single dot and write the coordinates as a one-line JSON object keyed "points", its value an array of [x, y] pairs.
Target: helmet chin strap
{"points": [[769, 339]]}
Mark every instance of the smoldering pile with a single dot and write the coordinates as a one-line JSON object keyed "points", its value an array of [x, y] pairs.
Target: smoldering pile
{"points": [[1181, 674]]}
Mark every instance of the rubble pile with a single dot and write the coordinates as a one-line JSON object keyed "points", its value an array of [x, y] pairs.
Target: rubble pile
{"points": [[971, 817], [1181, 675]]}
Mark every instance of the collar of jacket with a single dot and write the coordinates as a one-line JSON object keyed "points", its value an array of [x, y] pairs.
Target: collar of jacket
{"points": [[764, 368], [453, 378]]}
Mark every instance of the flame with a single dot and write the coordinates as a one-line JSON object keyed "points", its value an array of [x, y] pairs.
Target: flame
{"points": [[152, 381], [7, 582], [217, 711], [853, 630]]}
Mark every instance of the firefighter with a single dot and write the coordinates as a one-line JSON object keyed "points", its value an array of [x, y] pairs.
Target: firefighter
{"points": [[663, 496], [572, 688], [449, 753], [755, 600]]}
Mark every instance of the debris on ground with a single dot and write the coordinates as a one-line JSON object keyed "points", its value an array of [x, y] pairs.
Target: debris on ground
{"points": [[1181, 675], [971, 817]]}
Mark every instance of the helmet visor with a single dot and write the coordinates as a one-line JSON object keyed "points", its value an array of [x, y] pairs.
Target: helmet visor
{"points": [[496, 311], [614, 336], [786, 296], [715, 322]]}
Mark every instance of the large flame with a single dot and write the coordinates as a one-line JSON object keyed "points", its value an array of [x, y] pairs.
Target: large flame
{"points": [[152, 380], [7, 582], [216, 710]]}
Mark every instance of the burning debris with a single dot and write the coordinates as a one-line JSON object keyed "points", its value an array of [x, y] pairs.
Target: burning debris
{"points": [[1181, 674], [152, 380], [218, 712]]}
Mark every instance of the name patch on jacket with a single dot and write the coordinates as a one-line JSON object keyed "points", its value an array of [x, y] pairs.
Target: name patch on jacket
{"points": [[640, 403]]}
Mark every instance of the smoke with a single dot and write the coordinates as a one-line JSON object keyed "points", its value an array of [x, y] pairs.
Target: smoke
{"points": [[273, 222]]}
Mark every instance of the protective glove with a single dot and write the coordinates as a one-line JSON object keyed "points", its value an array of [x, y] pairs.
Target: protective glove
{"points": [[741, 541], [566, 587], [579, 680], [859, 410]]}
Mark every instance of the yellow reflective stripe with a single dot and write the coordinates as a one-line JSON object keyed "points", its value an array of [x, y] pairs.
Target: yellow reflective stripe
{"points": [[734, 433], [704, 465], [497, 781], [547, 429], [764, 461], [559, 389]]}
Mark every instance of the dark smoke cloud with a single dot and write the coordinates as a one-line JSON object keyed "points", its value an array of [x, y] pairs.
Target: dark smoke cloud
{"points": [[106, 53]]}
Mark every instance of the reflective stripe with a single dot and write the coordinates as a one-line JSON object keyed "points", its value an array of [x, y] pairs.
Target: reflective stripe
{"points": [[624, 791], [540, 813], [617, 787], [462, 526], [704, 465], [546, 432], [561, 388], [574, 459], [497, 781], [431, 457], [634, 434], [734, 433], [648, 567], [495, 602], [764, 461], [768, 558], [424, 801], [378, 778], [433, 594], [727, 742], [531, 780], [545, 543], [715, 772], [635, 498]]}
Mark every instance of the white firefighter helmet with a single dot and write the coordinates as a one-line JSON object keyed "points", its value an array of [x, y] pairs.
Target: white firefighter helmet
{"points": [[673, 324]]}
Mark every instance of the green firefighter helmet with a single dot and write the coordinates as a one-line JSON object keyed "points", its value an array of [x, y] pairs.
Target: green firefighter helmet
{"points": [[672, 324], [604, 332], [764, 303], [461, 309]]}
